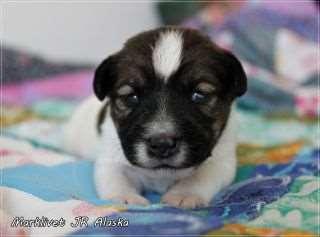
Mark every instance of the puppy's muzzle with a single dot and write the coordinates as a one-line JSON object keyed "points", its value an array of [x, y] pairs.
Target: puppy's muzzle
{"points": [[162, 146]]}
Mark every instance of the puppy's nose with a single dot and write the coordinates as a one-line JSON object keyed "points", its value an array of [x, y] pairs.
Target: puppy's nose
{"points": [[163, 145]]}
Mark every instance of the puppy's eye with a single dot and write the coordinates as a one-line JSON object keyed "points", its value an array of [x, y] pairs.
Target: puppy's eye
{"points": [[126, 97], [198, 97], [132, 100], [203, 92]]}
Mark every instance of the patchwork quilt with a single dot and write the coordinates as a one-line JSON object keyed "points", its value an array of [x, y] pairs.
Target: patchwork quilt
{"points": [[276, 191], [45, 191]]}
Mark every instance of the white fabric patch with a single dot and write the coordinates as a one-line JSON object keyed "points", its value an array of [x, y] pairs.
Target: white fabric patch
{"points": [[166, 55]]}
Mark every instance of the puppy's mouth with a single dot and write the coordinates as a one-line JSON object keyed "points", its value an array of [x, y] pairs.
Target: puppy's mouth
{"points": [[168, 164], [164, 166]]}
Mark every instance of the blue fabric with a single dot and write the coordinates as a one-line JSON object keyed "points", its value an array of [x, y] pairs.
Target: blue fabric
{"points": [[72, 180], [243, 200]]}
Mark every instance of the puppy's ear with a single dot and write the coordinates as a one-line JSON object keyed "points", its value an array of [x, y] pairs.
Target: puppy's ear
{"points": [[105, 76], [237, 79]]}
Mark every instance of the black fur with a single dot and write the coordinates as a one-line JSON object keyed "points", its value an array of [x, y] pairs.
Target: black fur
{"points": [[105, 77], [199, 125]]}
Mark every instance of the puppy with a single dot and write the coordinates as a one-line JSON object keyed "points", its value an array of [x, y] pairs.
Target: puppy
{"points": [[162, 119]]}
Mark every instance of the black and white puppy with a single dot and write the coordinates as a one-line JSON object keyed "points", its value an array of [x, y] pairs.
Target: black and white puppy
{"points": [[163, 119]]}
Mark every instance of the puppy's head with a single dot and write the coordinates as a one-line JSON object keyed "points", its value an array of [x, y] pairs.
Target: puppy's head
{"points": [[170, 92]]}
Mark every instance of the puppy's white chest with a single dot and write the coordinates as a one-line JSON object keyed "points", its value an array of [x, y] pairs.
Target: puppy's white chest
{"points": [[159, 180], [158, 185]]}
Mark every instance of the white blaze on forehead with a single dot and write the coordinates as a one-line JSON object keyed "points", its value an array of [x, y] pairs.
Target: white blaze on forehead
{"points": [[166, 55]]}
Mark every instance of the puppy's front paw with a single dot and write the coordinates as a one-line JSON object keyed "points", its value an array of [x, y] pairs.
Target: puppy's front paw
{"points": [[129, 198], [184, 200]]}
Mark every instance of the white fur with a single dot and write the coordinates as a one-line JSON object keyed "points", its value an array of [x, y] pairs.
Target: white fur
{"points": [[167, 53], [158, 127], [80, 133], [116, 178]]}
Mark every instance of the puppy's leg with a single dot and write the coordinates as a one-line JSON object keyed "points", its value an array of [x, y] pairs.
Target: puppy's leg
{"points": [[112, 183], [198, 189], [210, 177]]}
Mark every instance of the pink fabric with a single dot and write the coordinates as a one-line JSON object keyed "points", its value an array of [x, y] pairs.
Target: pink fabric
{"points": [[308, 103], [70, 85]]}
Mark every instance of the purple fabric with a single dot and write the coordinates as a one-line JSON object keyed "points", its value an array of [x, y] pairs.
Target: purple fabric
{"points": [[70, 85], [297, 9], [243, 201]]}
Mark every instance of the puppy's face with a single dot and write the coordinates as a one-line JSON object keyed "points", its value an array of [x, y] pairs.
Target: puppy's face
{"points": [[170, 91]]}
